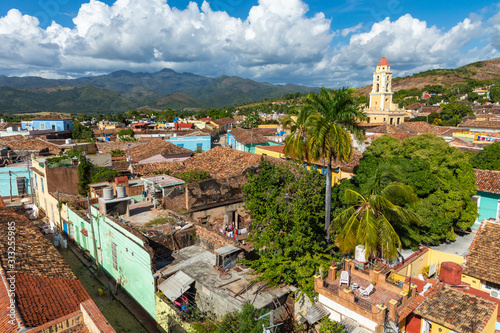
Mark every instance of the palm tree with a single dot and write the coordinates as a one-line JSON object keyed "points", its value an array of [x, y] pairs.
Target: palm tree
{"points": [[296, 144], [335, 116], [370, 219]]}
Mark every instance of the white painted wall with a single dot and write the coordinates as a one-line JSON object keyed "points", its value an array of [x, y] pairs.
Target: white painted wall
{"points": [[338, 312]]}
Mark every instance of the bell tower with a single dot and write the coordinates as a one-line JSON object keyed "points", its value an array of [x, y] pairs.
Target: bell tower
{"points": [[381, 95]]}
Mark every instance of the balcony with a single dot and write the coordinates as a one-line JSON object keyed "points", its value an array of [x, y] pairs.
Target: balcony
{"points": [[388, 298]]}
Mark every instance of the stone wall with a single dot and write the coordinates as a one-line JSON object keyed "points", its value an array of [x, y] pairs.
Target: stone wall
{"points": [[209, 239], [214, 192], [164, 242]]}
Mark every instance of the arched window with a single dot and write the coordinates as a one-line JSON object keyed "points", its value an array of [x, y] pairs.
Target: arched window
{"points": [[378, 78], [378, 88]]}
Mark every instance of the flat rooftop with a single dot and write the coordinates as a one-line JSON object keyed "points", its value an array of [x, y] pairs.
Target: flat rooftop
{"points": [[198, 264], [163, 180]]}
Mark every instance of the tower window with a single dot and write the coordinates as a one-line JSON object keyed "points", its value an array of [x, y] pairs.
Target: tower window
{"points": [[378, 88]]}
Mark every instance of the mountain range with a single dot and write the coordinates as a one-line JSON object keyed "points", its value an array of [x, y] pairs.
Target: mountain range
{"points": [[124, 90]]}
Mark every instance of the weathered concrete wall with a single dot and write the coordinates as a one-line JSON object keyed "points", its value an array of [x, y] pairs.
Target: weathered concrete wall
{"points": [[162, 242], [62, 179], [215, 212], [214, 192], [208, 301], [176, 199], [209, 239]]}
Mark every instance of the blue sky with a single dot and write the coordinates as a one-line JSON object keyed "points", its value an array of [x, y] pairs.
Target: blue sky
{"points": [[311, 42]]}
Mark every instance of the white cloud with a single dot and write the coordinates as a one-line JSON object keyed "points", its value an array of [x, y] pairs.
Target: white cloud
{"points": [[279, 41]]}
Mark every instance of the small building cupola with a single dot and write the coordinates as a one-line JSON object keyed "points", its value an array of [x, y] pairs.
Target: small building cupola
{"points": [[383, 62]]}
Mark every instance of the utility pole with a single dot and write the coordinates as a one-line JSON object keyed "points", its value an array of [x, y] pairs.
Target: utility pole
{"points": [[94, 238], [59, 206], [32, 188], [10, 183]]}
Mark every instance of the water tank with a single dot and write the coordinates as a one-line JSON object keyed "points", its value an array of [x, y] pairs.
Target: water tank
{"points": [[451, 273], [69, 141], [107, 193], [120, 191], [360, 253]]}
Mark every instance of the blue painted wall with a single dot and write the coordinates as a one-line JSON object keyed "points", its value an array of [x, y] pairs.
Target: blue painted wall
{"points": [[60, 124], [488, 206], [233, 143], [192, 142], [16, 172]]}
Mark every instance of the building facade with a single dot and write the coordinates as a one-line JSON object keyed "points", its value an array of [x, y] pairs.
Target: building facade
{"points": [[55, 122], [381, 108]]}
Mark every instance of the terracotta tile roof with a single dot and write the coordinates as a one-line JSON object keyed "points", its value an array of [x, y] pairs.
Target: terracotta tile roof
{"points": [[35, 144], [42, 299], [46, 287], [107, 147], [52, 117], [265, 131], [277, 149], [155, 147], [389, 129], [246, 137], [431, 108], [414, 106], [36, 255], [482, 260], [223, 121], [420, 127], [481, 124], [11, 138], [5, 326], [488, 181], [219, 162], [120, 164], [411, 307], [4, 126], [447, 131], [456, 310]]}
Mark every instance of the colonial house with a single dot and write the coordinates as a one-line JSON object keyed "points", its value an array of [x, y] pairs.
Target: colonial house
{"points": [[488, 195]]}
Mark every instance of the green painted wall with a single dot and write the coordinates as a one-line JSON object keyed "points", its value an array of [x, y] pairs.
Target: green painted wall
{"points": [[251, 148], [133, 262]]}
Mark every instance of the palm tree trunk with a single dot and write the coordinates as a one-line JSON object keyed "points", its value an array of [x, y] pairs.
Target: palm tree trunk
{"points": [[328, 201]]}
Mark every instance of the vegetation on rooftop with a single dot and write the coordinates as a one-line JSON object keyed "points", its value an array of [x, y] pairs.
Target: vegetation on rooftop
{"points": [[192, 176]]}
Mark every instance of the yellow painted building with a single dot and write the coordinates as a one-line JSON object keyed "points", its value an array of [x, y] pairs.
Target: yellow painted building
{"points": [[45, 200], [381, 108], [277, 152]]}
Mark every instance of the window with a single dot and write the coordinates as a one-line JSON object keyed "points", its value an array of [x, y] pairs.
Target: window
{"points": [[35, 180], [42, 125], [113, 253], [199, 146], [41, 183], [53, 126]]}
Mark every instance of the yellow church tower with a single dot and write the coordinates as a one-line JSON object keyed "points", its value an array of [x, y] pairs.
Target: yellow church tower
{"points": [[381, 109]]}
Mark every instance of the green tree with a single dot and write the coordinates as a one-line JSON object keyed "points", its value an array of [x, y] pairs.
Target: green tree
{"points": [[326, 325], [251, 121], [99, 175], [495, 93], [328, 118], [286, 205], [117, 153], [370, 219], [84, 175], [81, 132], [441, 176], [488, 158]]}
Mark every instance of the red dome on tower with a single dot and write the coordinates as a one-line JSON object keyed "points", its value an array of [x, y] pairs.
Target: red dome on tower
{"points": [[383, 62]]}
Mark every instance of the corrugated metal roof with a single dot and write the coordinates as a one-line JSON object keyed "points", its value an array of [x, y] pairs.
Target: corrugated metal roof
{"points": [[225, 250], [175, 286]]}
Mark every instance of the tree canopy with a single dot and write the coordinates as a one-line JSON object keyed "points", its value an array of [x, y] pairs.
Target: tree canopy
{"points": [[488, 158], [287, 209], [82, 132], [441, 177]]}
